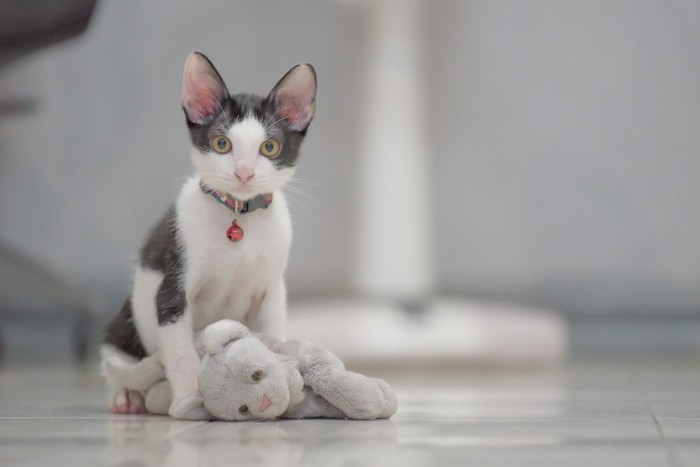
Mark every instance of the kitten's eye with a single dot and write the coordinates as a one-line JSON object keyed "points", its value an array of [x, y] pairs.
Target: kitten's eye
{"points": [[221, 144], [257, 375], [270, 148], [243, 409]]}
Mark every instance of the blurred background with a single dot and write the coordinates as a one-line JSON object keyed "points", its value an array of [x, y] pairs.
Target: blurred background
{"points": [[487, 177]]}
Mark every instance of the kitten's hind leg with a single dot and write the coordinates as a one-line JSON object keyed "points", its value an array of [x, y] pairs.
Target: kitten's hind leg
{"points": [[123, 401], [128, 402], [138, 376]]}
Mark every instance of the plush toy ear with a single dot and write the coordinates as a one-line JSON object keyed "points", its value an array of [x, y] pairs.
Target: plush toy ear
{"points": [[203, 90], [294, 97], [217, 335]]}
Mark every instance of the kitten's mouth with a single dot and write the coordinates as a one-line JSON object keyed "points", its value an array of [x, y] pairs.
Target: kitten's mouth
{"points": [[244, 193], [241, 193]]}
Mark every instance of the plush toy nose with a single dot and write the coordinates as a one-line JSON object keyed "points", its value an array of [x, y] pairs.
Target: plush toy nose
{"points": [[266, 402]]}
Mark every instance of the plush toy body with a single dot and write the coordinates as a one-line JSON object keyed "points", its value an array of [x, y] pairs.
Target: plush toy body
{"points": [[246, 376]]}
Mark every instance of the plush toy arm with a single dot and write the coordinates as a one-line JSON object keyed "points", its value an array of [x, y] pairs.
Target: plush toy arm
{"points": [[138, 376], [159, 398], [356, 395], [313, 406], [190, 408]]}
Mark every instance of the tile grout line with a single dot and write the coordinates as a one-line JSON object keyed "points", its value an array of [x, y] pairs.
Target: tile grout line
{"points": [[187, 430], [671, 455]]}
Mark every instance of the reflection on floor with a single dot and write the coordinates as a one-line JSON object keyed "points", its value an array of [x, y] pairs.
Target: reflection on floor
{"points": [[592, 412]]}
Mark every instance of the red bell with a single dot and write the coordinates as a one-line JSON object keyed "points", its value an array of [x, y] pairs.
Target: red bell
{"points": [[234, 233]]}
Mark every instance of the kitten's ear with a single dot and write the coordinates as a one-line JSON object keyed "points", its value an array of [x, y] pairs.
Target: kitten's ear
{"points": [[294, 97], [203, 90]]}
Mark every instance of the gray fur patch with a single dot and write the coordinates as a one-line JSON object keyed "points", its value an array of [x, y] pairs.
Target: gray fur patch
{"points": [[170, 300], [161, 253], [122, 334], [240, 106]]}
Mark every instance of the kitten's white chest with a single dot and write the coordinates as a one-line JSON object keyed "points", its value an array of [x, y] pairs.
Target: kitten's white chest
{"points": [[224, 279]]}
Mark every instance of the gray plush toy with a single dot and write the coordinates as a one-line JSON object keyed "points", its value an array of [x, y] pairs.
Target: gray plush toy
{"points": [[246, 376]]}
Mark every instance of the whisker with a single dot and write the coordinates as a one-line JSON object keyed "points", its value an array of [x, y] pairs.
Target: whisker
{"points": [[290, 191], [308, 183], [293, 198], [304, 168]]}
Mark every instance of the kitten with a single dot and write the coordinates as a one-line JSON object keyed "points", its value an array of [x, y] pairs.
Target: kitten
{"points": [[205, 260]]}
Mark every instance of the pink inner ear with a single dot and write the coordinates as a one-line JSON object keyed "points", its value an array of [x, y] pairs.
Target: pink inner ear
{"points": [[200, 104], [202, 90], [295, 114], [295, 97]]}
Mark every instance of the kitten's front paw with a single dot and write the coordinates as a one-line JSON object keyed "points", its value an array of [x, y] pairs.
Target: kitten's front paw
{"points": [[190, 408]]}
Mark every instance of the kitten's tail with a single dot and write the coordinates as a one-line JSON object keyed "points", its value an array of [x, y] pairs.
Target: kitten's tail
{"points": [[138, 376]]}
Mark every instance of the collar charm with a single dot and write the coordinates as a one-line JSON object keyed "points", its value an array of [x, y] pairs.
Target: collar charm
{"points": [[235, 232]]}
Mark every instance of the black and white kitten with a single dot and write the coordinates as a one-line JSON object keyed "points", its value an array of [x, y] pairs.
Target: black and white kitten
{"points": [[194, 269]]}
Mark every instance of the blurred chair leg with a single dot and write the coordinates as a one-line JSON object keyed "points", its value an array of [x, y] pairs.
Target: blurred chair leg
{"points": [[35, 277], [82, 330]]}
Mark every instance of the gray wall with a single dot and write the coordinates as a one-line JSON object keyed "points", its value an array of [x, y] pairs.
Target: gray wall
{"points": [[566, 150], [567, 139]]}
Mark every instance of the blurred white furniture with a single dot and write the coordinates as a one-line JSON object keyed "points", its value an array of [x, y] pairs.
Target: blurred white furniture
{"points": [[403, 320]]}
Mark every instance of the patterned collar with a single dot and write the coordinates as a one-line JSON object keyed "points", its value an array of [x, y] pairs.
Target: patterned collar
{"points": [[261, 201]]}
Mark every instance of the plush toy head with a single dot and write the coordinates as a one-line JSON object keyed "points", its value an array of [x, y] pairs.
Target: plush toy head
{"points": [[241, 379]]}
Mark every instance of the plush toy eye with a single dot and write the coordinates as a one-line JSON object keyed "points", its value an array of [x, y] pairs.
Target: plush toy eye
{"points": [[257, 375], [221, 144], [270, 148], [243, 409]]}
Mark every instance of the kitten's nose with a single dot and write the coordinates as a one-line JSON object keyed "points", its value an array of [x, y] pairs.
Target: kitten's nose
{"points": [[244, 174]]}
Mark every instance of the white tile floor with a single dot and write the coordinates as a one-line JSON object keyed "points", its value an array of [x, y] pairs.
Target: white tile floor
{"points": [[598, 412]]}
